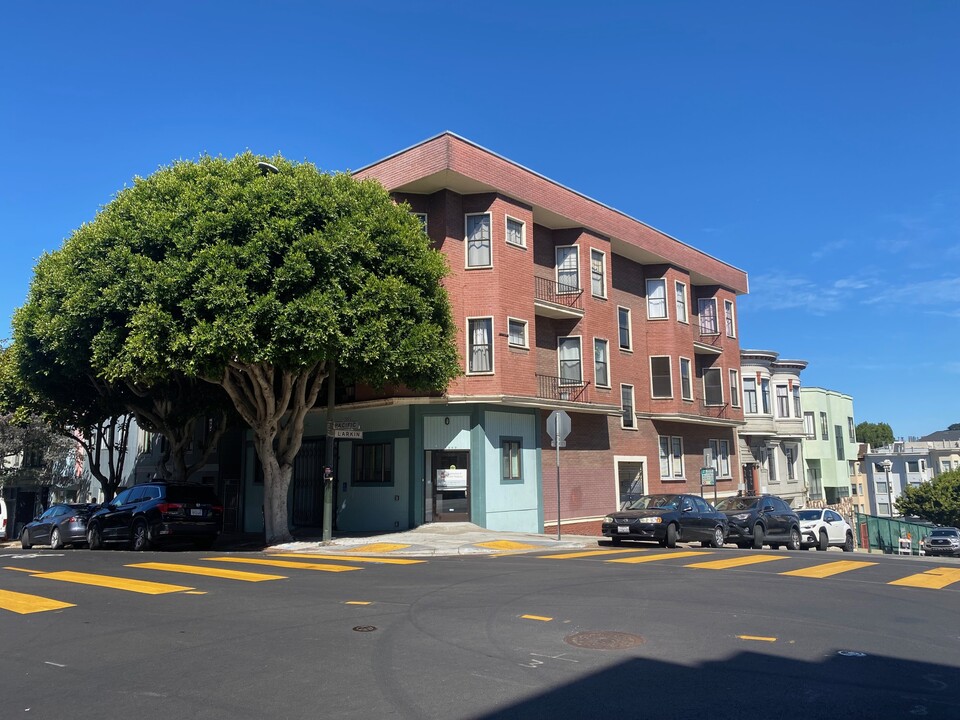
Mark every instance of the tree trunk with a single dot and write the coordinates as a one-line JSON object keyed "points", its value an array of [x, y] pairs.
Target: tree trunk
{"points": [[276, 488]]}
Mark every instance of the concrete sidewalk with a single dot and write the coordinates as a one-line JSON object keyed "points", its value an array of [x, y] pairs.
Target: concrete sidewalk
{"points": [[440, 539]]}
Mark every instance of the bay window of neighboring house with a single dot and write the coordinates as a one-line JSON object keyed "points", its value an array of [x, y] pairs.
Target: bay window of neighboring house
{"points": [[480, 347], [680, 291], [797, 409], [656, 299], [783, 402], [750, 395], [598, 274], [601, 366], [568, 269], [478, 240], [671, 457], [571, 366], [661, 381], [765, 395], [721, 457], [735, 388], [708, 316], [686, 384]]}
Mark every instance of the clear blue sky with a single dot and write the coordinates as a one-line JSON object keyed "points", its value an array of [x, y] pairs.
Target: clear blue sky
{"points": [[815, 145]]}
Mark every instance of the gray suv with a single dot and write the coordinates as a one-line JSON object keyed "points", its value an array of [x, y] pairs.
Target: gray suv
{"points": [[758, 520]]}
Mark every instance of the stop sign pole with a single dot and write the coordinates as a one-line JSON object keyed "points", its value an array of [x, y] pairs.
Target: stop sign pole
{"points": [[558, 427]]}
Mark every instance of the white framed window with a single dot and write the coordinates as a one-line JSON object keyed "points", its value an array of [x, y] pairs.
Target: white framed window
{"points": [[568, 269], [765, 395], [680, 296], [625, 332], [570, 360], [728, 318], [516, 231], [479, 345], [422, 217], [656, 299], [628, 418], [783, 402], [712, 386], [735, 388], [797, 407], [851, 430], [686, 382], [708, 316], [598, 273], [721, 457], [517, 332], [671, 457], [479, 251], [601, 362], [661, 379], [750, 395], [791, 460], [809, 427]]}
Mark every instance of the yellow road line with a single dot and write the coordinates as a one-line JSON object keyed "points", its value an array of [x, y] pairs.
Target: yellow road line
{"points": [[589, 553], [658, 556], [287, 564], [536, 617], [935, 579], [377, 548], [23, 570], [828, 569], [25, 604], [358, 602], [505, 545], [384, 561], [116, 583], [209, 572], [758, 638], [736, 562]]}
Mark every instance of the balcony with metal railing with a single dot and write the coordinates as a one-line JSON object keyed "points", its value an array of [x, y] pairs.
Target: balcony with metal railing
{"points": [[557, 300], [562, 390]]}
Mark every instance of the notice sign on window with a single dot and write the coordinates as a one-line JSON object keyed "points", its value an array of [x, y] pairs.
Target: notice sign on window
{"points": [[452, 479]]}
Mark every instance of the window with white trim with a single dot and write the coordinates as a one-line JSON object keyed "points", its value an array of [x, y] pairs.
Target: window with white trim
{"points": [[598, 274], [568, 269], [479, 252], [661, 379], [680, 294], [517, 332], [750, 395], [765, 395], [601, 362], [791, 460], [728, 318], [708, 316], [851, 430], [656, 299], [627, 417], [671, 457], [721, 457], [626, 334], [480, 345], [735, 388], [422, 217], [797, 407], [809, 426], [712, 386], [571, 364], [783, 402], [516, 232], [686, 383]]}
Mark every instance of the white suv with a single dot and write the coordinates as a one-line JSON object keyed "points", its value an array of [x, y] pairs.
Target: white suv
{"points": [[823, 528]]}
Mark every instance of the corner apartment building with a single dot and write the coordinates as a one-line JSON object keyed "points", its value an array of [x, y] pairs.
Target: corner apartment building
{"points": [[561, 303], [830, 445], [771, 440], [892, 468]]}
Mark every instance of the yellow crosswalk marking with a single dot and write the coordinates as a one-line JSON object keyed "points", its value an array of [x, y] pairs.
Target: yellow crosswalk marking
{"points": [[736, 562], [116, 583], [384, 561], [828, 569], [541, 618], [589, 553], [658, 556], [935, 579], [209, 571], [377, 548], [25, 604], [287, 564], [505, 545]]}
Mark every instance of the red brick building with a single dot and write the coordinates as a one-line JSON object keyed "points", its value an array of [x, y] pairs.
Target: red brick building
{"points": [[561, 303]]}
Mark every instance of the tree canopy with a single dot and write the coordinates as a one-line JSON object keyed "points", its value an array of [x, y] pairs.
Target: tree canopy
{"points": [[257, 282], [874, 434], [937, 501], [954, 426]]}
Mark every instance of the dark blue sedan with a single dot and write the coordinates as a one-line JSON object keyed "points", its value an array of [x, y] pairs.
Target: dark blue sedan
{"points": [[58, 526]]}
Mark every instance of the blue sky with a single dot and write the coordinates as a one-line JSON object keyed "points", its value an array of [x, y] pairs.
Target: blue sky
{"points": [[815, 145]]}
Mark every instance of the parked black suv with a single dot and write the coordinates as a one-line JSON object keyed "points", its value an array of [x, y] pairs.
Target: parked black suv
{"points": [[759, 520], [157, 512]]}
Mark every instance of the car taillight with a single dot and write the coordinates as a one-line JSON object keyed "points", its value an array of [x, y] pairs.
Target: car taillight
{"points": [[170, 508], [76, 518], [217, 508]]}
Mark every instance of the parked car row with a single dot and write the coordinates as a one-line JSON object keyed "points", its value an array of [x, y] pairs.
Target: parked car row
{"points": [[751, 521], [140, 517]]}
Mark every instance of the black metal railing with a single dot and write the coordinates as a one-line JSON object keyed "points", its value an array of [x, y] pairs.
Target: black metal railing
{"points": [[555, 388], [715, 410], [558, 293]]}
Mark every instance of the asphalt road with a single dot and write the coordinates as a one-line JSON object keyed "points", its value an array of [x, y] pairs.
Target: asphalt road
{"points": [[630, 633]]}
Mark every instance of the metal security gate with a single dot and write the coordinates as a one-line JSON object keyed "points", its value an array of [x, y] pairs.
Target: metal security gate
{"points": [[307, 484]]}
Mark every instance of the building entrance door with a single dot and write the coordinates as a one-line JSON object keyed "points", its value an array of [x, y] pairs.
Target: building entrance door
{"points": [[447, 496]]}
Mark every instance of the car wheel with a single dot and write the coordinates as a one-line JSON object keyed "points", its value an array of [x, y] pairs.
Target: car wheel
{"points": [[717, 540], [824, 543], [757, 536], [848, 543], [140, 538], [671, 539], [794, 543], [25, 540], [55, 541], [94, 539]]}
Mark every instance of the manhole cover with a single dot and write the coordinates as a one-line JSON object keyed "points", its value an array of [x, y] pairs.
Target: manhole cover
{"points": [[851, 653], [604, 640], [364, 628]]}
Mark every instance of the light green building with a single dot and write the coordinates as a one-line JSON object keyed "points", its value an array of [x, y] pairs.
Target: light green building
{"points": [[829, 443]]}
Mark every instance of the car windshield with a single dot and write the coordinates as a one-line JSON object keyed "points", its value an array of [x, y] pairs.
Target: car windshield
{"points": [[737, 503], [655, 502], [945, 532], [809, 514]]}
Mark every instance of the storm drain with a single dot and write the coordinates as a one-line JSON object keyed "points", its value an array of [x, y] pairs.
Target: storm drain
{"points": [[603, 640]]}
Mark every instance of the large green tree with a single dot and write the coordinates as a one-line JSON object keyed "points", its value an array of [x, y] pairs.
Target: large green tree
{"points": [[258, 277], [937, 501], [875, 434]]}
